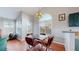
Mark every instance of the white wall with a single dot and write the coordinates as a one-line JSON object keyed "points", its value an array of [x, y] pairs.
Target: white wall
{"points": [[18, 25], [59, 26], [9, 12], [36, 28], [25, 17]]}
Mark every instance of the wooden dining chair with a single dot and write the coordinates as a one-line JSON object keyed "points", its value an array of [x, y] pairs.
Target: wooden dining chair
{"points": [[29, 41], [49, 42]]}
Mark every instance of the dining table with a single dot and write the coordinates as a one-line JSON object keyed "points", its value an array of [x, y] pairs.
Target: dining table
{"points": [[41, 39], [39, 43], [39, 47]]}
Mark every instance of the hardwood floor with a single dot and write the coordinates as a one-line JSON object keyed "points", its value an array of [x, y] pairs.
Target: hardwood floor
{"points": [[15, 45], [57, 47]]}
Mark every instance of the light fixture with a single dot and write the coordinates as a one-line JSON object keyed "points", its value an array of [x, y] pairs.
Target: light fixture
{"points": [[39, 14]]}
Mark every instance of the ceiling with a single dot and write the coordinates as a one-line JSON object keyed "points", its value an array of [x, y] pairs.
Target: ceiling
{"points": [[13, 12]]}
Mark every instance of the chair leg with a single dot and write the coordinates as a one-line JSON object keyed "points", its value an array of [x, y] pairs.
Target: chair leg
{"points": [[28, 47], [46, 48]]}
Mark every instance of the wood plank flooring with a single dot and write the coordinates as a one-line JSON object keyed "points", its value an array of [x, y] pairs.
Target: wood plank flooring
{"points": [[15, 45]]}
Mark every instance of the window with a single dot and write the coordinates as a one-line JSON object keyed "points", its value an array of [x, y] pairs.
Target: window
{"points": [[8, 26], [45, 24]]}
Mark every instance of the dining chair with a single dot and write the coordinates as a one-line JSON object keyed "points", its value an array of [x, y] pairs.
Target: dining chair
{"points": [[49, 42], [10, 36], [29, 41], [15, 37]]}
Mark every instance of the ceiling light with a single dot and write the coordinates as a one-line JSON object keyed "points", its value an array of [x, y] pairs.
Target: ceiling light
{"points": [[39, 14]]}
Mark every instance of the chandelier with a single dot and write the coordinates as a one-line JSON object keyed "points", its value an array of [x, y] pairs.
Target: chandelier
{"points": [[39, 14]]}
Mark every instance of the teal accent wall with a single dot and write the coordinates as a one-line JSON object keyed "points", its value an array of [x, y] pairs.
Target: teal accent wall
{"points": [[3, 44]]}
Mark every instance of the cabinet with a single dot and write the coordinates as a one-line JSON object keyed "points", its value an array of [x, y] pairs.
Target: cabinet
{"points": [[69, 41]]}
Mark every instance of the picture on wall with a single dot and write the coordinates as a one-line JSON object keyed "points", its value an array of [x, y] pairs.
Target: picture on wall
{"points": [[61, 17]]}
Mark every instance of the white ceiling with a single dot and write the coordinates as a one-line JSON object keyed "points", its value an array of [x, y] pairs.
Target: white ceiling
{"points": [[12, 12]]}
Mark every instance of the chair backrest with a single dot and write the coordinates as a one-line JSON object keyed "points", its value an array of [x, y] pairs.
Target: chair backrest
{"points": [[42, 33], [29, 41], [10, 35], [50, 39], [29, 34], [15, 36]]}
